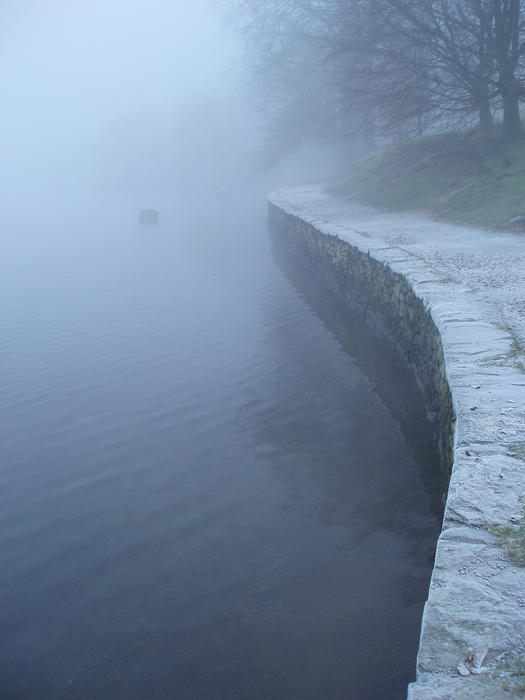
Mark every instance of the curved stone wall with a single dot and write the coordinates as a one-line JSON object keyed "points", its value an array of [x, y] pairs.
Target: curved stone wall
{"points": [[451, 300], [388, 305]]}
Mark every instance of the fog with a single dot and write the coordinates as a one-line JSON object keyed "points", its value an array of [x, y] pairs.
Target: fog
{"points": [[125, 96], [145, 100]]}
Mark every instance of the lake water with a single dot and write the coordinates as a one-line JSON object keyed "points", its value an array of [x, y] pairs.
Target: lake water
{"points": [[205, 491]]}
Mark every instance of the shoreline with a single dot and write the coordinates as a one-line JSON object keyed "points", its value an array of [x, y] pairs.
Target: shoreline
{"points": [[472, 284]]}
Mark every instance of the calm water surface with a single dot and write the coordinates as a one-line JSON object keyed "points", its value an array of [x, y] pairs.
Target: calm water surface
{"points": [[203, 494]]}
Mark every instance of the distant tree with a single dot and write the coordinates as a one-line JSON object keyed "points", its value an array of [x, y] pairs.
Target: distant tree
{"points": [[383, 67], [378, 70], [508, 47], [284, 50], [433, 59]]}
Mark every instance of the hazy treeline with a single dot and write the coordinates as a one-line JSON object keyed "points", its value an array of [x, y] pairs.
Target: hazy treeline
{"points": [[389, 68]]}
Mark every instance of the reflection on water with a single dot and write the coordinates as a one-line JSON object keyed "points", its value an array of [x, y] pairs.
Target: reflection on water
{"points": [[206, 491], [383, 366]]}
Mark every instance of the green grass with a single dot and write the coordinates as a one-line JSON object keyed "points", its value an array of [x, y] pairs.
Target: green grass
{"points": [[514, 540], [513, 355], [517, 450], [513, 670], [459, 177]]}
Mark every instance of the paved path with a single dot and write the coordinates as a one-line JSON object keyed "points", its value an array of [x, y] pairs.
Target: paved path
{"points": [[473, 281]]}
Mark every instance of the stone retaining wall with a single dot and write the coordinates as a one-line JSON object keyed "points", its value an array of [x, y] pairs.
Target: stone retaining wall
{"points": [[451, 299], [389, 307]]}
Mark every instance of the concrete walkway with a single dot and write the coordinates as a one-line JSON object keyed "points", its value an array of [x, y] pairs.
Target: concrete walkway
{"points": [[473, 282]]}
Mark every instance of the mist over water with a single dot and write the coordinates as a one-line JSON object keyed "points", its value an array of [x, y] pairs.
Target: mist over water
{"points": [[203, 492], [118, 98]]}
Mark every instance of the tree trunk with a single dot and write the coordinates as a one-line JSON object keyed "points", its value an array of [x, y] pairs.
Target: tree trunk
{"points": [[485, 116], [511, 116]]}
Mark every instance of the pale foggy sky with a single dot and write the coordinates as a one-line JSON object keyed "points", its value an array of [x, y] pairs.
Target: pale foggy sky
{"points": [[113, 89]]}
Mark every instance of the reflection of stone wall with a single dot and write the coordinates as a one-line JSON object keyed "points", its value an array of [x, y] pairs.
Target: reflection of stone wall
{"points": [[389, 306]]}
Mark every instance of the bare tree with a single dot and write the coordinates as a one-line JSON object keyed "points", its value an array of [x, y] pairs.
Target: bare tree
{"points": [[508, 46], [392, 67], [284, 43]]}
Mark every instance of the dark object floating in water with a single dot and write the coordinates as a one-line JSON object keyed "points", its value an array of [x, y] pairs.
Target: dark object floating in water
{"points": [[149, 217]]}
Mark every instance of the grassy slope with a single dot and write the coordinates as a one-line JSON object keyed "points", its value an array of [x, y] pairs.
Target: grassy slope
{"points": [[458, 177]]}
